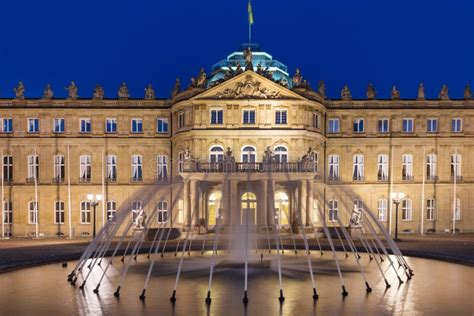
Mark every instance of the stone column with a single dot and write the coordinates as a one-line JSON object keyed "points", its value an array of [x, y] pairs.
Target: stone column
{"points": [[271, 202], [234, 202], [262, 207], [193, 195], [309, 203], [187, 208], [302, 202], [226, 202]]}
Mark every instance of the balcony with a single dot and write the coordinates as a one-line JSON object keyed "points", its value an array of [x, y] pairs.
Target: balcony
{"points": [[245, 167], [84, 180]]}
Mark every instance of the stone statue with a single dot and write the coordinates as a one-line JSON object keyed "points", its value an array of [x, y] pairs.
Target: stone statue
{"points": [[187, 155], [200, 81], [371, 93], [248, 59], [228, 155], [176, 88], [123, 91], [140, 220], [346, 93], [72, 91], [356, 217], [48, 92], [467, 92], [149, 92], [268, 155], [421, 92], [238, 69], [443, 94], [19, 91], [98, 93], [395, 93], [297, 79], [322, 88]]}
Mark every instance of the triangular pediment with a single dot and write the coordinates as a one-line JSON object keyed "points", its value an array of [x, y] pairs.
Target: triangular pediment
{"points": [[248, 85]]}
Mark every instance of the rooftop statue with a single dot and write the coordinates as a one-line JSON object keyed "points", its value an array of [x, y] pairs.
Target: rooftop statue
{"points": [[72, 91], [176, 88], [268, 155], [48, 92], [200, 81], [123, 91], [322, 88], [346, 93], [371, 93], [19, 91], [297, 79], [395, 93], [443, 94], [238, 69], [248, 59], [229, 157], [98, 93], [149, 92], [421, 92], [468, 92]]}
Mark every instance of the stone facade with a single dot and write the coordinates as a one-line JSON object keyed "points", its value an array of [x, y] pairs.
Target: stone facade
{"points": [[245, 111]]}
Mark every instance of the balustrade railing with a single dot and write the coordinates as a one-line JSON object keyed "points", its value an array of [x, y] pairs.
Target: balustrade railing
{"points": [[241, 167]]}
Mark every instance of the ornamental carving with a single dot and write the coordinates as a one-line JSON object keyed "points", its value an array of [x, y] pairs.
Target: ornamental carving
{"points": [[248, 89]]}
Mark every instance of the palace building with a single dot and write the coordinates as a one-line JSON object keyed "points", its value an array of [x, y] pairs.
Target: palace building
{"points": [[242, 141]]}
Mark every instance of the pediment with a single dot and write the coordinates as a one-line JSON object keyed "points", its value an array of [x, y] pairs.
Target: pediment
{"points": [[248, 85]]}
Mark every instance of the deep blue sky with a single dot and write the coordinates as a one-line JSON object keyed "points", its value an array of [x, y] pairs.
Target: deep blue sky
{"points": [[385, 42]]}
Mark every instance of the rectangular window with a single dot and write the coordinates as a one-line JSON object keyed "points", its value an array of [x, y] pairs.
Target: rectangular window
{"points": [[7, 125], [181, 159], [86, 125], [162, 167], [281, 117], [111, 210], [359, 126], [181, 120], [407, 125], [358, 168], [8, 168], [217, 116], [383, 126], [59, 212], [136, 209], [8, 212], [111, 168], [32, 212], [406, 210], [431, 167], [333, 210], [111, 125], [333, 126], [430, 209], [137, 125], [33, 167], [407, 167], [85, 168], [162, 125], [382, 167], [137, 168], [432, 125], [316, 120], [59, 168], [162, 212], [382, 210], [249, 117], [85, 212], [333, 161], [456, 125], [456, 166], [58, 125], [33, 125]]}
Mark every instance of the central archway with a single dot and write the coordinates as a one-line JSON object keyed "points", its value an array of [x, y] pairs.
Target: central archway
{"points": [[282, 208], [249, 208], [214, 208]]}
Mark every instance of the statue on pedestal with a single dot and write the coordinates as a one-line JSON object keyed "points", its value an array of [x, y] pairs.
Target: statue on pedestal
{"points": [[322, 88], [346, 93], [395, 93], [200, 81], [467, 92], [371, 93], [248, 59], [149, 92], [19, 91], [48, 92], [267, 155], [98, 93], [297, 79], [421, 92], [443, 94], [176, 88], [72, 91], [123, 91]]}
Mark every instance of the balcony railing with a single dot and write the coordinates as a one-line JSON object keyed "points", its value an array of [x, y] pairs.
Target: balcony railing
{"points": [[136, 179], [57, 180], [84, 180], [242, 167]]}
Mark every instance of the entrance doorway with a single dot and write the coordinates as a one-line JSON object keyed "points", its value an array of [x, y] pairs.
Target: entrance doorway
{"points": [[249, 208]]}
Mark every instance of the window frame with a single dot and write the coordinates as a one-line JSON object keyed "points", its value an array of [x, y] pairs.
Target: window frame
{"points": [[408, 119], [36, 125], [382, 210], [162, 212], [164, 125], [136, 125], [216, 116], [429, 125], [407, 209], [62, 125], [248, 113], [281, 117], [332, 123], [85, 214], [453, 125], [358, 125], [380, 123], [59, 213], [85, 125], [112, 123], [7, 128]]}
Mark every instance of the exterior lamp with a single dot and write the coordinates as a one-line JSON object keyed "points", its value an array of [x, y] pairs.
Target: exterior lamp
{"points": [[94, 200], [397, 197]]}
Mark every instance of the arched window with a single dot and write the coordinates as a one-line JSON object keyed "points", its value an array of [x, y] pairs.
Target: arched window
{"points": [[162, 211], [357, 213], [382, 210], [111, 168], [59, 168], [249, 154], [85, 168], [111, 210], [8, 212], [333, 210], [382, 167], [456, 166], [181, 155], [358, 168], [59, 212], [431, 167], [162, 167], [430, 209], [333, 161], [406, 210], [407, 167], [136, 208], [281, 154], [85, 212], [137, 168], [282, 206], [214, 207], [33, 167], [216, 154], [249, 208], [32, 212]]}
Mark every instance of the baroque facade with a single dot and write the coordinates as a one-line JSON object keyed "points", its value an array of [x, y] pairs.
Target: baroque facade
{"points": [[238, 143]]}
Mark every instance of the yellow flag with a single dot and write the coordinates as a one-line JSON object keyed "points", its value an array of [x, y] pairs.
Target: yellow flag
{"points": [[249, 9]]}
